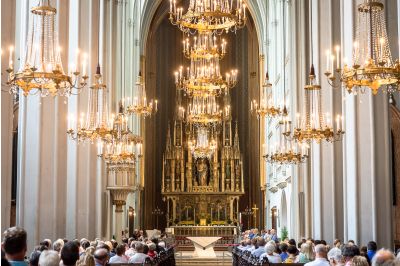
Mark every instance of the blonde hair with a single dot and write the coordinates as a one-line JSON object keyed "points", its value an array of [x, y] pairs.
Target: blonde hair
{"points": [[86, 260], [359, 261], [307, 250]]}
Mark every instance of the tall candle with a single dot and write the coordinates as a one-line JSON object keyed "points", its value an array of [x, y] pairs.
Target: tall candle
{"points": [[337, 56], [10, 60]]}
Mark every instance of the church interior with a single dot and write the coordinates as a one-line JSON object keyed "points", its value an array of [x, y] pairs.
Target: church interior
{"points": [[200, 131]]}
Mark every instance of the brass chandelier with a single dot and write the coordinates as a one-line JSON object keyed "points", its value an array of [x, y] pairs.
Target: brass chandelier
{"points": [[266, 108], [204, 78], [313, 124], [205, 45], [203, 110], [122, 147], [372, 64], [140, 104], [96, 124], [286, 152], [202, 142], [41, 71], [216, 16]]}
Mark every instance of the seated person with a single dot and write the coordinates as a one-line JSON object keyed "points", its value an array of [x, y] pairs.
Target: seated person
{"points": [[261, 247], [269, 253], [140, 256]]}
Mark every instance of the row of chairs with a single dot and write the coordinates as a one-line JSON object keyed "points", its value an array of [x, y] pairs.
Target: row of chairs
{"points": [[164, 258], [245, 258]]}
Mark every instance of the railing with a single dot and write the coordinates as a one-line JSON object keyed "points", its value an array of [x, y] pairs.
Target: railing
{"points": [[244, 258], [165, 258]]}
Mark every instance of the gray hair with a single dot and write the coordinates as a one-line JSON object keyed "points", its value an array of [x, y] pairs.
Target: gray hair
{"points": [[152, 246], [269, 248], [49, 258], [320, 248], [139, 247], [58, 245]]}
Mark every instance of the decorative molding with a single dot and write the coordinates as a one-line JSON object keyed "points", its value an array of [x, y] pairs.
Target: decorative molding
{"points": [[289, 179], [274, 189], [282, 185]]}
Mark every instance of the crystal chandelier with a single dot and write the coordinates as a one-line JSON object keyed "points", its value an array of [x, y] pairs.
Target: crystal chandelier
{"points": [[313, 124], [203, 110], [205, 46], [266, 108], [372, 64], [216, 16], [97, 125], [204, 144], [288, 152], [123, 147], [204, 78], [41, 69], [141, 105]]}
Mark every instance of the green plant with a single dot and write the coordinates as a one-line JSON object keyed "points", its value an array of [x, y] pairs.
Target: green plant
{"points": [[284, 233]]}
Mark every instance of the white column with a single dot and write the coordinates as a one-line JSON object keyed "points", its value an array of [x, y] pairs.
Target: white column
{"points": [[8, 23]]}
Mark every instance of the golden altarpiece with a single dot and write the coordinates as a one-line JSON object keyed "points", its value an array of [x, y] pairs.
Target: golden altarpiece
{"points": [[202, 187]]}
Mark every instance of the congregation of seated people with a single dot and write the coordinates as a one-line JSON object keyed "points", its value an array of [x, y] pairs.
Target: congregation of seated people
{"points": [[83, 252], [265, 247]]}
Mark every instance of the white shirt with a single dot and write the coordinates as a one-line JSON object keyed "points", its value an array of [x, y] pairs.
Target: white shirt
{"points": [[138, 258], [130, 252], [318, 262], [274, 258], [118, 259]]}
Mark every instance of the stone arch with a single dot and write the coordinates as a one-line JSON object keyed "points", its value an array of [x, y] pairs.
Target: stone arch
{"points": [[149, 9]]}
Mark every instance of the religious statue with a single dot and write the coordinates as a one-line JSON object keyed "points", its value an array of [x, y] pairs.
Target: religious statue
{"points": [[202, 172], [228, 170], [237, 171]]}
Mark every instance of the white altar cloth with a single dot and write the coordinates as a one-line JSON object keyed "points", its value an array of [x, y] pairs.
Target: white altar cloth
{"points": [[204, 246]]}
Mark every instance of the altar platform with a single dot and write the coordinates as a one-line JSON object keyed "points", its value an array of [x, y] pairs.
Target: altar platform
{"points": [[186, 258], [228, 236]]}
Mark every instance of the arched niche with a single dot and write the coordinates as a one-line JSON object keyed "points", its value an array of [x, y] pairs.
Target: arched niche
{"points": [[161, 55]]}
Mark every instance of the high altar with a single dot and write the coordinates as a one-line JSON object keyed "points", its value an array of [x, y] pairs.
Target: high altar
{"points": [[202, 188]]}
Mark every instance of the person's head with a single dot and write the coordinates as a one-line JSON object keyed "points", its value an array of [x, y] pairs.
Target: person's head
{"points": [[14, 243], [101, 256], [349, 251], [382, 257], [292, 242], [351, 242], [337, 243], [363, 250], [270, 248], [292, 250], [372, 246], [87, 259], [283, 247], [70, 253], [161, 244], [110, 245], [359, 261], [317, 242], [248, 242], [120, 249], [335, 256], [139, 247], [58, 245], [34, 258], [154, 240], [306, 249], [49, 258], [260, 242], [320, 251], [272, 232], [254, 241], [152, 246], [323, 242], [103, 245]]}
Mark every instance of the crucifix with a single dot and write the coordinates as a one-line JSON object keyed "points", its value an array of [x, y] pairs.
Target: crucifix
{"points": [[255, 209]]}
